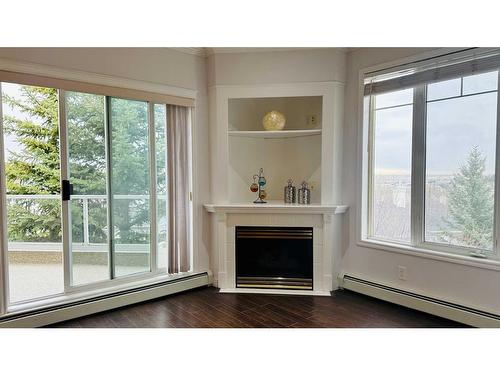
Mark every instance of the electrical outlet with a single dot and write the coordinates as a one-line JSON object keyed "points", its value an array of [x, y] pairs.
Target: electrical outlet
{"points": [[312, 120], [402, 272]]}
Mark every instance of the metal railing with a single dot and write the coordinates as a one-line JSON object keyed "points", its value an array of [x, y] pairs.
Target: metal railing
{"points": [[86, 243]]}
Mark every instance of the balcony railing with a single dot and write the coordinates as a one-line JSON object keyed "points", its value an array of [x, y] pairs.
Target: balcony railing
{"points": [[84, 241]]}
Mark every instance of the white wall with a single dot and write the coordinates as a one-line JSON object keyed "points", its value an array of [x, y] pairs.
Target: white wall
{"points": [[463, 284], [250, 68], [296, 158], [247, 113], [158, 65]]}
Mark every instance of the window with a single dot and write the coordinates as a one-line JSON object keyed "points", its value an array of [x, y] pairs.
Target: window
{"points": [[391, 166], [460, 164], [431, 161], [113, 151]]}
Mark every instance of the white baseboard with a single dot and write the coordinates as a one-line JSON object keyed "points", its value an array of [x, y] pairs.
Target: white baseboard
{"points": [[43, 318], [414, 301]]}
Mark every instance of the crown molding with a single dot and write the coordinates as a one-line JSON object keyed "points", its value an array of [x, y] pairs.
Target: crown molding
{"points": [[208, 51], [198, 51], [224, 50]]}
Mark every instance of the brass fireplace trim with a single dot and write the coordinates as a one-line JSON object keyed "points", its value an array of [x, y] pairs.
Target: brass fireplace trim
{"points": [[265, 286], [276, 237], [274, 282], [295, 234]]}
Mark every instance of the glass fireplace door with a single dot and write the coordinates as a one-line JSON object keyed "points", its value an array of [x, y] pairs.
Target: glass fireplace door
{"points": [[274, 257]]}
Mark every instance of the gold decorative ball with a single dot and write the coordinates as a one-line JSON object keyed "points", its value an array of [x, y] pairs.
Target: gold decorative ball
{"points": [[274, 120]]}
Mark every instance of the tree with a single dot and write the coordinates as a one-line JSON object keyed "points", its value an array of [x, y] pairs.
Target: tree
{"points": [[87, 162], [470, 204], [34, 169], [130, 172]]}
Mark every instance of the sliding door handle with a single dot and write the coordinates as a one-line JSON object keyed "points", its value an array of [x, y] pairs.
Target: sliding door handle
{"points": [[67, 190]]}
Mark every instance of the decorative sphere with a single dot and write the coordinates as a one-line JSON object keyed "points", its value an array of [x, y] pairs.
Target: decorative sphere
{"points": [[254, 187], [262, 194], [274, 120]]}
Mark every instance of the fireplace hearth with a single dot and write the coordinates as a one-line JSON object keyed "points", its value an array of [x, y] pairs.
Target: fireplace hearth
{"points": [[274, 257]]}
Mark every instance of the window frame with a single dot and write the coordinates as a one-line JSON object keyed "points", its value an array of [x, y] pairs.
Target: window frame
{"points": [[70, 291], [418, 180]]}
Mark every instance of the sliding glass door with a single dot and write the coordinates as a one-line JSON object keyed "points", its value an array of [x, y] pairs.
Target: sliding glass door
{"points": [[86, 197], [160, 121], [129, 186], [87, 171], [33, 195], [109, 171]]}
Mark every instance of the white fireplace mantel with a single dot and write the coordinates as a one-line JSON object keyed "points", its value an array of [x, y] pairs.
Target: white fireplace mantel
{"points": [[324, 219], [273, 207]]}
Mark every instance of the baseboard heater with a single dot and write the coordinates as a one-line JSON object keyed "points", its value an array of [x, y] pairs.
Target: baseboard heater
{"points": [[72, 310], [452, 311]]}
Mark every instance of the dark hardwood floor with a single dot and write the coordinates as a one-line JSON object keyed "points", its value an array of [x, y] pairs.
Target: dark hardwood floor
{"points": [[206, 308]]}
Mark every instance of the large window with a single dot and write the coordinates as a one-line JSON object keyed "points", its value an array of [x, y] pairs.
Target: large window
{"points": [[113, 153], [460, 161], [391, 165], [431, 163]]}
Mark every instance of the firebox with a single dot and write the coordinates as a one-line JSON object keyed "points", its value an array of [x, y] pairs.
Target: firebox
{"points": [[274, 257]]}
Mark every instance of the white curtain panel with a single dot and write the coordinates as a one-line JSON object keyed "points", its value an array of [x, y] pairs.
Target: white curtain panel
{"points": [[178, 185]]}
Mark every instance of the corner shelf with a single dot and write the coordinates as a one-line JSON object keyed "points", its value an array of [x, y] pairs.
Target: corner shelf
{"points": [[273, 134]]}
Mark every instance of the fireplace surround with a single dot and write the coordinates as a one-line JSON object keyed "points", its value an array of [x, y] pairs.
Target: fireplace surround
{"points": [[301, 151], [274, 257], [326, 241]]}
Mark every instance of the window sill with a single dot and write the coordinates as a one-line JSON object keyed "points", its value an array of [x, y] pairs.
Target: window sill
{"points": [[490, 264]]}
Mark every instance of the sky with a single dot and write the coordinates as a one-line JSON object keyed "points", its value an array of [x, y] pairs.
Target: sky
{"points": [[454, 126]]}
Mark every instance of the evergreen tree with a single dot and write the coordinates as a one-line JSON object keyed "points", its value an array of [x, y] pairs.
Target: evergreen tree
{"points": [[34, 169], [130, 172], [470, 204], [87, 162]]}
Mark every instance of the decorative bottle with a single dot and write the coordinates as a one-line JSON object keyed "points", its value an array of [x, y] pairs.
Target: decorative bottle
{"points": [[304, 194], [289, 192]]}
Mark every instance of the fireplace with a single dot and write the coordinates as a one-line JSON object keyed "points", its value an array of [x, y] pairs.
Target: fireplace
{"points": [[274, 257]]}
